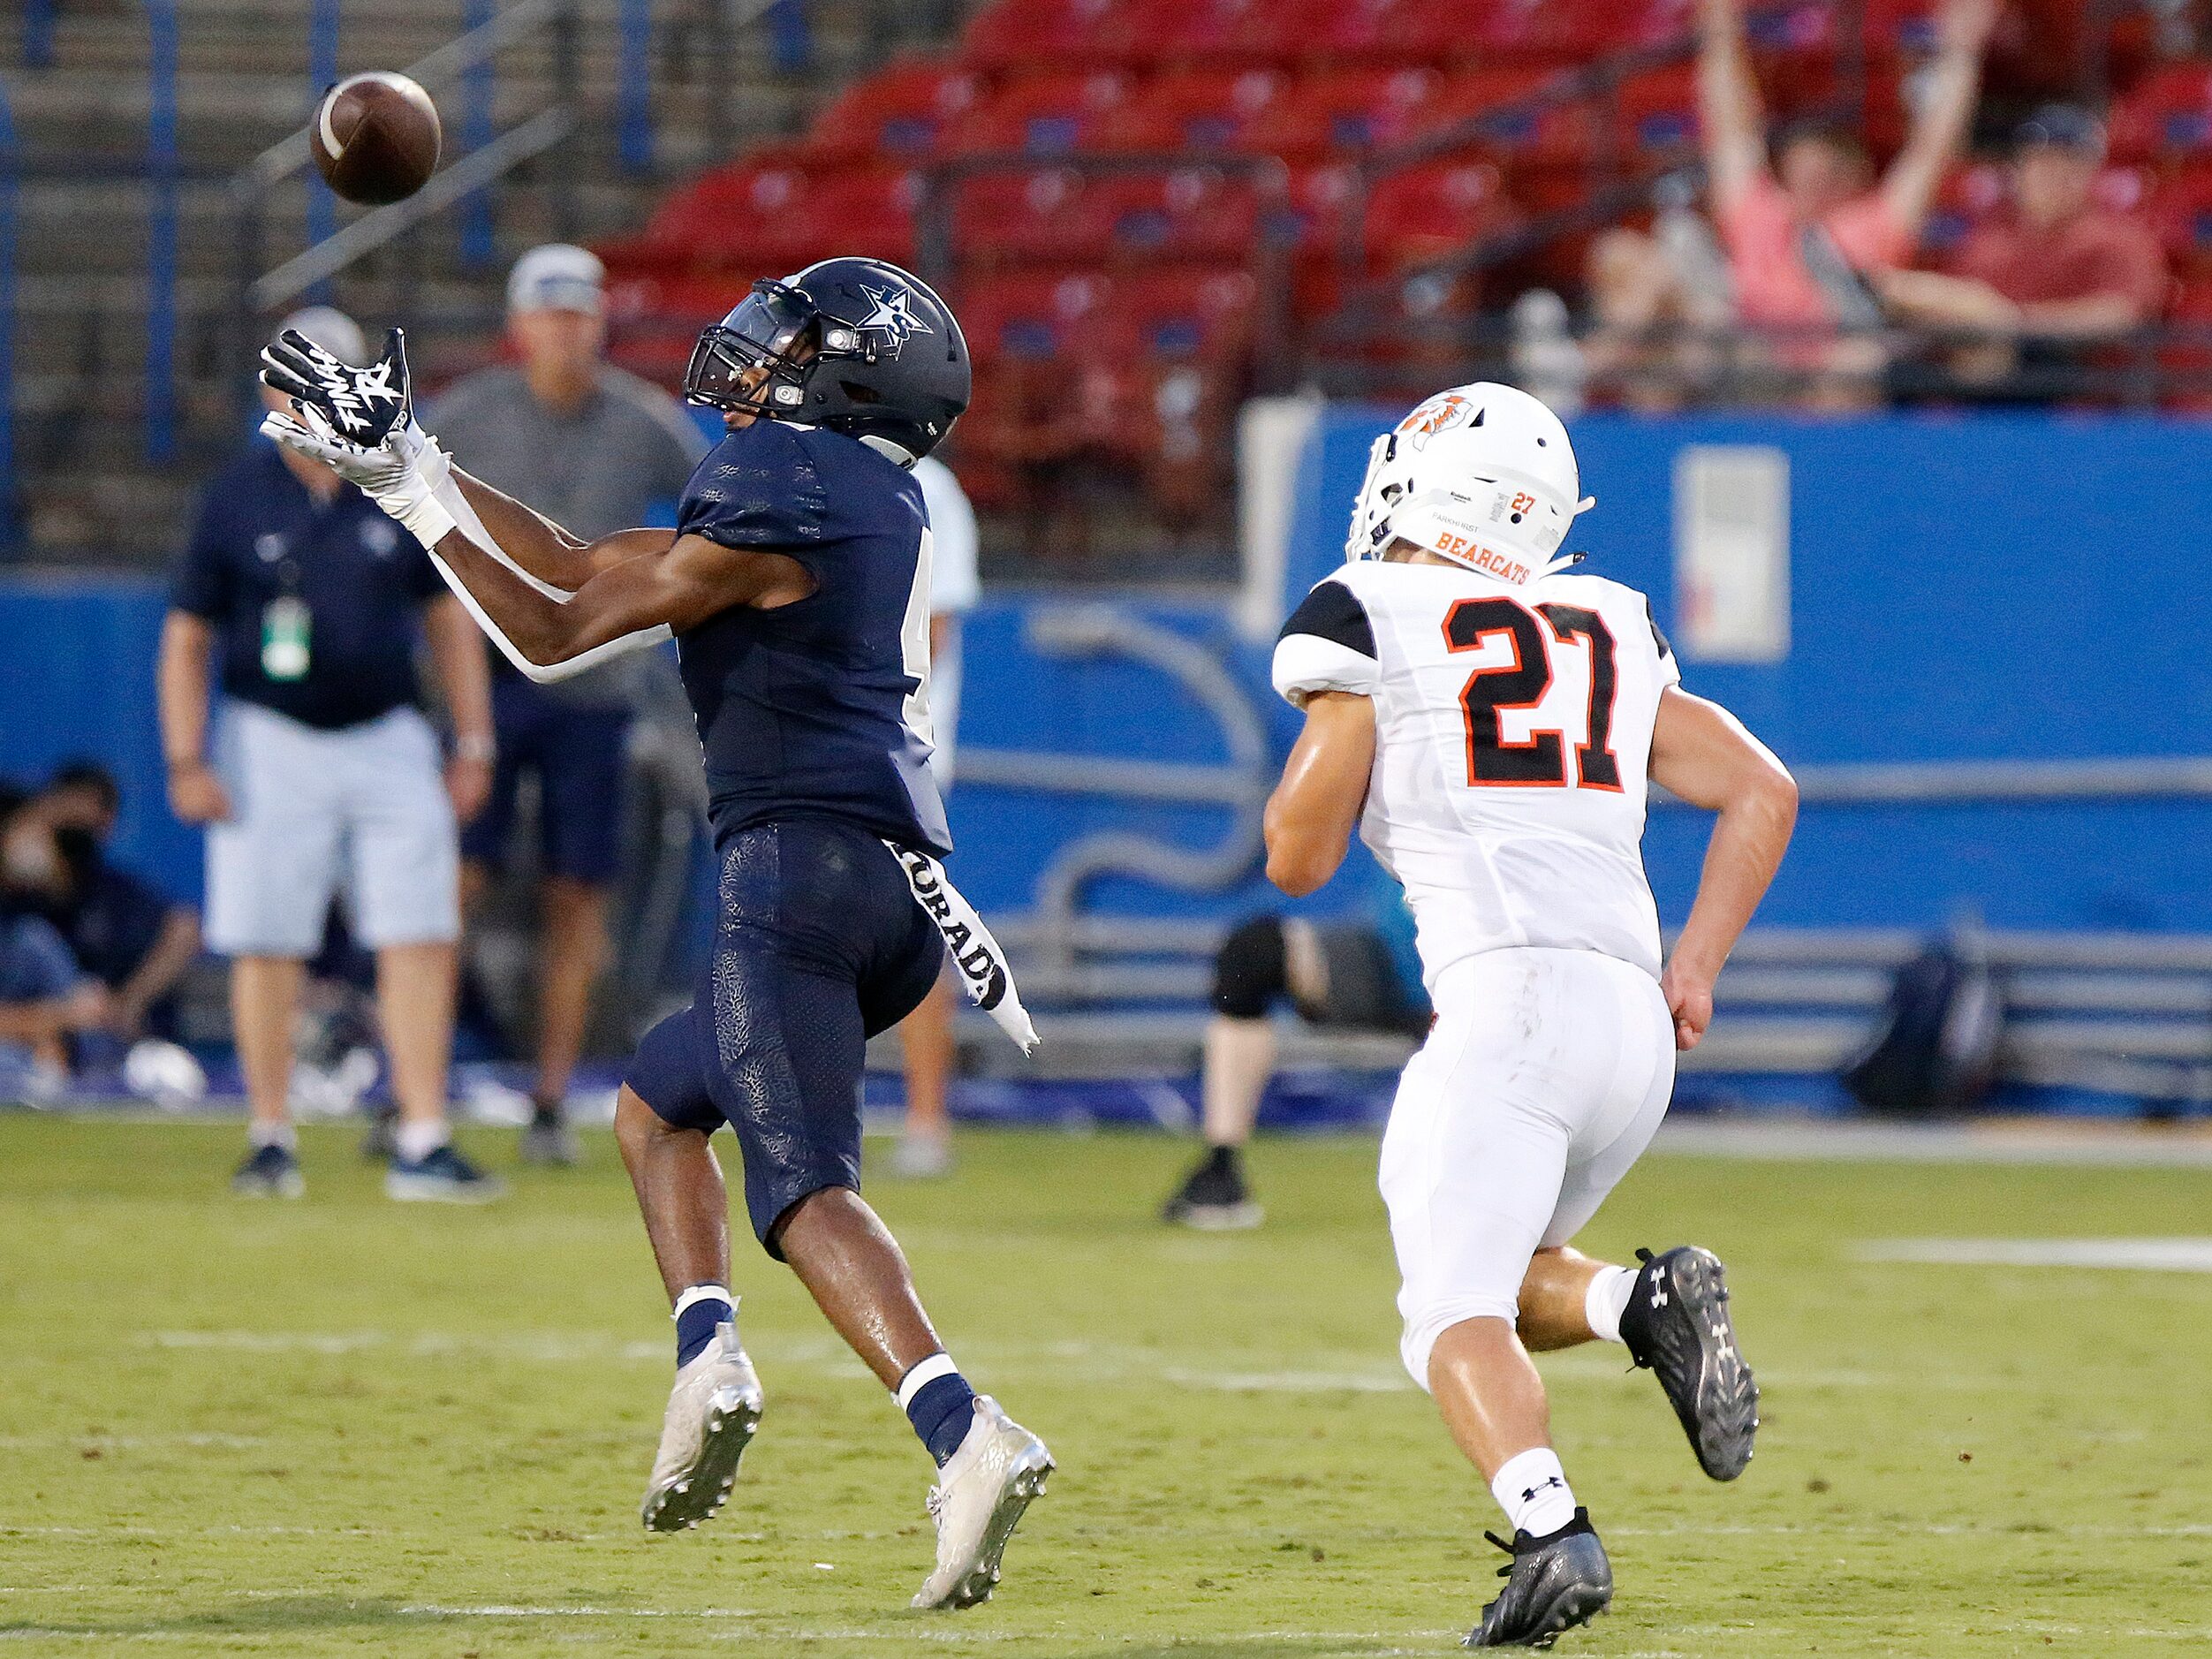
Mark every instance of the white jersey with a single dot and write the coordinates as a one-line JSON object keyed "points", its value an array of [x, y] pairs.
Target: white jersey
{"points": [[1513, 727]]}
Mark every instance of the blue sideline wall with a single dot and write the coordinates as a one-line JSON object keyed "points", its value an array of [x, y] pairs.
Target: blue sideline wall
{"points": [[1963, 588]]}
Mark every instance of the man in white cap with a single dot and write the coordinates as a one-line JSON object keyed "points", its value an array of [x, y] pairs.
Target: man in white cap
{"points": [[323, 776], [597, 449]]}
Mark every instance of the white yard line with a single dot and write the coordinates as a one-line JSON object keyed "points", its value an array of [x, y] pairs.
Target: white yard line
{"points": [[2155, 1255], [2059, 1140]]}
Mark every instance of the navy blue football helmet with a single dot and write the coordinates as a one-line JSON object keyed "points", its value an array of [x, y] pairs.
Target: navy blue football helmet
{"points": [[857, 345]]}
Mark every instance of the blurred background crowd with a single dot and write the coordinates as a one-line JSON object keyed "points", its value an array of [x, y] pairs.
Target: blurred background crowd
{"points": [[1856, 306]]}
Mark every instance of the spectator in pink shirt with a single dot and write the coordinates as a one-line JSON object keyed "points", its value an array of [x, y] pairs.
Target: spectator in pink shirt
{"points": [[1805, 235]]}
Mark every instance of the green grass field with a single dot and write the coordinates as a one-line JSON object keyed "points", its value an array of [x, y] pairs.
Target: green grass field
{"points": [[341, 1426]]}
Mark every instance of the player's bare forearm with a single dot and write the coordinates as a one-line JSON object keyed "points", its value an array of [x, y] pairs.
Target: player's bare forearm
{"points": [[1314, 810], [548, 552], [1702, 753], [678, 588]]}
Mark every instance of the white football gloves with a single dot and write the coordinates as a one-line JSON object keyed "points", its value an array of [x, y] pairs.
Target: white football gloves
{"points": [[360, 423]]}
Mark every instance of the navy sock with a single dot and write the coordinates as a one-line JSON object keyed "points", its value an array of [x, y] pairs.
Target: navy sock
{"points": [[697, 1322], [941, 1411]]}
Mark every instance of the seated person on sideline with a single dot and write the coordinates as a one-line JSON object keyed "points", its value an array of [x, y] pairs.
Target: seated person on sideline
{"points": [[134, 939], [43, 997], [2053, 273], [1348, 975]]}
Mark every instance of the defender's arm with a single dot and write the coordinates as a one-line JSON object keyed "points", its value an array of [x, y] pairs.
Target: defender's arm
{"points": [[688, 581], [1314, 810], [1702, 753]]}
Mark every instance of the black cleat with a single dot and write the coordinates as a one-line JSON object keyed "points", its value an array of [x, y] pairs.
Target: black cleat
{"points": [[1677, 1323], [1214, 1197], [1552, 1583]]}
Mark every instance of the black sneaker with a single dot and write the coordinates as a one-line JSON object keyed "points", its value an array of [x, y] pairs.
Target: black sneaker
{"points": [[380, 1140], [1677, 1323], [443, 1177], [1213, 1198], [269, 1172], [1552, 1583], [549, 1141]]}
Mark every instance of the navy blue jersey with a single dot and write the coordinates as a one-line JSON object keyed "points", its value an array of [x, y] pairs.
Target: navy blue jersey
{"points": [[815, 709], [261, 537]]}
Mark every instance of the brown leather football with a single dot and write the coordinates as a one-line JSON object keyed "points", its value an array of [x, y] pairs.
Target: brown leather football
{"points": [[375, 137]]}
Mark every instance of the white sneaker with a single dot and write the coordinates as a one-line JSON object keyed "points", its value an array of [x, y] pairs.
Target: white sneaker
{"points": [[978, 1499], [921, 1157], [713, 1414]]}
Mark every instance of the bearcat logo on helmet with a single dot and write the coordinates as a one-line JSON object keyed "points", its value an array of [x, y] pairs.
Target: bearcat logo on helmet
{"points": [[1440, 413]]}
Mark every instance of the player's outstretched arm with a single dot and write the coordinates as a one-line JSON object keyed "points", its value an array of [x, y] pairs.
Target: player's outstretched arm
{"points": [[555, 556], [1702, 753], [690, 580], [1311, 815]]}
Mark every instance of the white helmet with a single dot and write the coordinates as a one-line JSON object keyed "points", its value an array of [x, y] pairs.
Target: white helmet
{"points": [[1481, 474]]}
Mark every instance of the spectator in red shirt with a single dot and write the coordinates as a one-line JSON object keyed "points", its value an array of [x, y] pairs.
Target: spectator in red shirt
{"points": [[2051, 274]]}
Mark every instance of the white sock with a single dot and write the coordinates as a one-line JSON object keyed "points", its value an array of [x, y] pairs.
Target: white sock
{"points": [[415, 1141], [1607, 1299], [259, 1134], [1532, 1489]]}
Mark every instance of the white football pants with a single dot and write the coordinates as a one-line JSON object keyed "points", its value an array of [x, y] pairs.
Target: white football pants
{"points": [[1544, 1079]]}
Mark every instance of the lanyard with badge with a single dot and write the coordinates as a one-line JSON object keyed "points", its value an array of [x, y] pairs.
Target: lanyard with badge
{"points": [[286, 621]]}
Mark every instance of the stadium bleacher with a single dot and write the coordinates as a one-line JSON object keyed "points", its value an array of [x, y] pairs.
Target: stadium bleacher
{"points": [[1062, 150]]}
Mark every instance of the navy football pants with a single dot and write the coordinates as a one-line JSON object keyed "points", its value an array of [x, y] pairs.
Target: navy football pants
{"points": [[818, 946]]}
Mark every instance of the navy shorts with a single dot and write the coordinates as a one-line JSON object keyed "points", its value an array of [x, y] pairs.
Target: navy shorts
{"points": [[577, 751], [819, 945]]}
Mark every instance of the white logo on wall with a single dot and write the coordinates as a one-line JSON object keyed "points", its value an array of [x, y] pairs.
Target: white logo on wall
{"points": [[1731, 553]]}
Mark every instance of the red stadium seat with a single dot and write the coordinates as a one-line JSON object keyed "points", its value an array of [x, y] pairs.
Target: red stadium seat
{"points": [[1189, 313], [2169, 114], [1196, 109], [1052, 114], [1430, 212], [1554, 133], [1019, 34], [1031, 316], [1361, 33], [1195, 33], [1659, 113], [775, 214], [2181, 209], [897, 111], [1552, 34], [1050, 216], [1346, 112]]}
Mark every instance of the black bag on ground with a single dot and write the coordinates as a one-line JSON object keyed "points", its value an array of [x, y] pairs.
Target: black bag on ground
{"points": [[1933, 1052]]}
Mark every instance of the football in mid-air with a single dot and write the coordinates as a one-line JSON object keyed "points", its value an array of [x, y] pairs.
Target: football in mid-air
{"points": [[375, 137]]}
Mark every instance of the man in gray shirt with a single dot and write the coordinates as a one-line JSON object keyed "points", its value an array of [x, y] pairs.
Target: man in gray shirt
{"points": [[598, 450]]}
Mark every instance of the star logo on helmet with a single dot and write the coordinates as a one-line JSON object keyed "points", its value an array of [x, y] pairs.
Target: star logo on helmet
{"points": [[893, 314]]}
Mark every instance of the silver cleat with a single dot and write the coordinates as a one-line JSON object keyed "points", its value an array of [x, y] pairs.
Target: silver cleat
{"points": [[978, 1500], [712, 1416]]}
